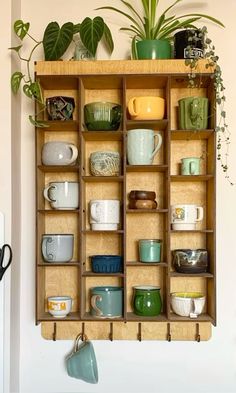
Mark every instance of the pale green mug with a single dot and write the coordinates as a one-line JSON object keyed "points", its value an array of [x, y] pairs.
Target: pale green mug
{"points": [[190, 166]]}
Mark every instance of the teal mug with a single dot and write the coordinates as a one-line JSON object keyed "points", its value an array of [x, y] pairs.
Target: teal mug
{"points": [[150, 250], [147, 301], [81, 363], [193, 113], [190, 166], [107, 302]]}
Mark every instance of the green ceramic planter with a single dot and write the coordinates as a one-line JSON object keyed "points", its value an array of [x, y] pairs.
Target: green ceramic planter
{"points": [[153, 49]]}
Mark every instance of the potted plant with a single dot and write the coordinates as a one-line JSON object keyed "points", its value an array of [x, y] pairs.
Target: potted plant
{"points": [[151, 35], [56, 41]]}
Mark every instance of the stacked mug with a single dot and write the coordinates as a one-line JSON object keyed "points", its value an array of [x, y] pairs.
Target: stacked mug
{"points": [[139, 199]]}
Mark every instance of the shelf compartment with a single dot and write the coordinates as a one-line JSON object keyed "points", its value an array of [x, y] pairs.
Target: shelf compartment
{"points": [[57, 168], [58, 211], [191, 134], [59, 264], [152, 124], [188, 178], [92, 274], [192, 231], [145, 264], [133, 317], [146, 168], [46, 317], [148, 211], [60, 126], [99, 179], [204, 275], [201, 318], [90, 231], [102, 135], [88, 317]]}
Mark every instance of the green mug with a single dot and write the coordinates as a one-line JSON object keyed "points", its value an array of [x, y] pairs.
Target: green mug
{"points": [[190, 166], [147, 300], [193, 113], [150, 250]]}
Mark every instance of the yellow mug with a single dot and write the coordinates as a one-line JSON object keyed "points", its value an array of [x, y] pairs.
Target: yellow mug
{"points": [[146, 108]]}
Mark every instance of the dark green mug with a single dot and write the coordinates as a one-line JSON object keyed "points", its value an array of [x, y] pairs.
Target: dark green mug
{"points": [[147, 300], [193, 113]]}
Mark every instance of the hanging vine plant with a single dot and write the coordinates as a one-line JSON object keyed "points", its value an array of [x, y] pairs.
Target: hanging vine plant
{"points": [[222, 128]]}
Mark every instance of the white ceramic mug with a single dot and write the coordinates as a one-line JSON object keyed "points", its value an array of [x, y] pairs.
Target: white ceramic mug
{"points": [[104, 214], [62, 195], [141, 148], [57, 248], [188, 304], [185, 217], [59, 306], [59, 153]]}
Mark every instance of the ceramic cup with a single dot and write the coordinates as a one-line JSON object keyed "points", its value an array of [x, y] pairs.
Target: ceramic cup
{"points": [[107, 302], [185, 217], [190, 166], [141, 148], [104, 214], [147, 300], [60, 108], [105, 163], [146, 108], [193, 113], [187, 304], [59, 306], [150, 250], [82, 363], [62, 195], [59, 153], [57, 248]]}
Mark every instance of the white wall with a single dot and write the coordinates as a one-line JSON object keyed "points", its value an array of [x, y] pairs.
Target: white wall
{"points": [[208, 367]]}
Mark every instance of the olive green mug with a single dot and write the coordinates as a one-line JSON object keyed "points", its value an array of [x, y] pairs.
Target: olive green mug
{"points": [[193, 113], [147, 300]]}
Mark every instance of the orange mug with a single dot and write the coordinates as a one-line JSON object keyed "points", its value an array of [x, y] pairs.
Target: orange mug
{"points": [[146, 108]]}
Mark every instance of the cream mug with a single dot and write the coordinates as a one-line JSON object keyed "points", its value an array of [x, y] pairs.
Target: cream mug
{"points": [[62, 195], [185, 217], [59, 153], [146, 108], [188, 304], [142, 146], [104, 214]]}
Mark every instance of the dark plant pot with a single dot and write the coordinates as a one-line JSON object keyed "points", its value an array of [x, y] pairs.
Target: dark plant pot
{"points": [[153, 49], [182, 43]]}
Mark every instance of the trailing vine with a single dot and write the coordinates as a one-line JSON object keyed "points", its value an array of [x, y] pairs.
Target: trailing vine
{"points": [[221, 129]]}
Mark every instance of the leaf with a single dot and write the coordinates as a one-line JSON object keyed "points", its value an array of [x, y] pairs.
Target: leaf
{"points": [[35, 89], [56, 40], [134, 49], [218, 22], [108, 38], [16, 48], [21, 28], [76, 28], [91, 32], [38, 123], [27, 91], [15, 81]]}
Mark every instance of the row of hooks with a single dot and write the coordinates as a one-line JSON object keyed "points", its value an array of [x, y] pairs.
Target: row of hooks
{"points": [[139, 334]]}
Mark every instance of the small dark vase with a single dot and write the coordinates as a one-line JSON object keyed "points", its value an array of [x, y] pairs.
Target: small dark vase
{"points": [[182, 42]]}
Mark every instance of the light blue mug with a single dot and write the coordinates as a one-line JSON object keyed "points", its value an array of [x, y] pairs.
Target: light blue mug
{"points": [[190, 166], [107, 302], [141, 148]]}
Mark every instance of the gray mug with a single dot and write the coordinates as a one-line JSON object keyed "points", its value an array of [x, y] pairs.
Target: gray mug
{"points": [[57, 248]]}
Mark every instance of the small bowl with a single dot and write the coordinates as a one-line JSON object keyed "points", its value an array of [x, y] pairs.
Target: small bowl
{"points": [[59, 306], [187, 304], [105, 163], [140, 194], [142, 204], [190, 261], [106, 263], [102, 116], [60, 107]]}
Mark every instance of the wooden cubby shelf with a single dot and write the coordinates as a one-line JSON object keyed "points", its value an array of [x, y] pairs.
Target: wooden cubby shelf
{"points": [[117, 82]]}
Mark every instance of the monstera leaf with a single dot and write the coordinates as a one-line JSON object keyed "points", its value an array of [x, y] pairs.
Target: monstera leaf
{"points": [[91, 32], [56, 40]]}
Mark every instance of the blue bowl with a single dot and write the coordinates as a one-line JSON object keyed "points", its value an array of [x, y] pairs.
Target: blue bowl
{"points": [[106, 263]]}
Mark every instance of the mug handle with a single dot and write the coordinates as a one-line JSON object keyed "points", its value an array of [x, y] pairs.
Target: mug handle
{"points": [[82, 337], [94, 299], [195, 109], [131, 107], [197, 308], [159, 143], [199, 213], [45, 249], [74, 154], [93, 212], [46, 191], [192, 167]]}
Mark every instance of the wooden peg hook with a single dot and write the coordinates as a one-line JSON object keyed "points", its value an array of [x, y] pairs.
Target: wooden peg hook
{"points": [[111, 332], [54, 334], [139, 331], [198, 337], [168, 332]]}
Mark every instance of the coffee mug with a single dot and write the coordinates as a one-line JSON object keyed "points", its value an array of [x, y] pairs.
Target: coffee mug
{"points": [[188, 304], [57, 248], [62, 195], [146, 108], [147, 300], [185, 217], [193, 113], [82, 363], [150, 250], [59, 306], [107, 302], [190, 166], [104, 214], [59, 153], [141, 147]]}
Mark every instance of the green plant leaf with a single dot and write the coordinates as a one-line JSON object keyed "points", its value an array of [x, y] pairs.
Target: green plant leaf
{"points": [[134, 49], [154, 4], [36, 91], [133, 10], [218, 22], [108, 38], [27, 91], [91, 32], [15, 81], [76, 28], [38, 123], [21, 28], [56, 40], [16, 48]]}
